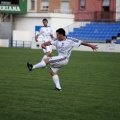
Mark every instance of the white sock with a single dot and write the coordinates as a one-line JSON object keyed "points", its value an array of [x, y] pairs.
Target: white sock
{"points": [[56, 81], [44, 57], [39, 65]]}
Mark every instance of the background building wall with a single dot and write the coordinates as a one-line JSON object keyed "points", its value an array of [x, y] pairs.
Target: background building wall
{"points": [[93, 9], [54, 4], [38, 5], [113, 5], [118, 9], [28, 22], [73, 4], [29, 6]]}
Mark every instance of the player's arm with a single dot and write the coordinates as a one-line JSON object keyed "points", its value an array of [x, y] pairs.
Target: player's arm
{"points": [[94, 47], [51, 34], [36, 37], [52, 37], [45, 44]]}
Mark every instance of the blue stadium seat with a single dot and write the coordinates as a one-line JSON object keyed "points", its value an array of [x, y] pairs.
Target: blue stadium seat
{"points": [[96, 32], [117, 41]]}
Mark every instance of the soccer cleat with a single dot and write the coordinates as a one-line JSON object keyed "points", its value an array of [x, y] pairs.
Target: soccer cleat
{"points": [[57, 89], [30, 66]]}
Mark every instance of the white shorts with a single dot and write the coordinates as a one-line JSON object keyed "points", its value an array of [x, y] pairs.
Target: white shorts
{"points": [[48, 49], [57, 62]]}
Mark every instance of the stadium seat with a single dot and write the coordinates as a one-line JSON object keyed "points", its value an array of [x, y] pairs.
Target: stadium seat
{"points": [[117, 41], [96, 32]]}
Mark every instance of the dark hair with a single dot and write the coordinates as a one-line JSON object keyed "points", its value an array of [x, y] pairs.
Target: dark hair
{"points": [[61, 31], [45, 19]]}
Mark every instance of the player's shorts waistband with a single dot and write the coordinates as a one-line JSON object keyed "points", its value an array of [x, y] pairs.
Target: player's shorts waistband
{"points": [[58, 60]]}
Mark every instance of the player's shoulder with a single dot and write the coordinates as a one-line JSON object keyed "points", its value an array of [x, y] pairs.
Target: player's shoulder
{"points": [[55, 39], [72, 39], [48, 27], [41, 28]]}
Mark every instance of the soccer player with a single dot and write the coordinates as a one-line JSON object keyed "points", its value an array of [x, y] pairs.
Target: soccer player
{"points": [[64, 47], [47, 35]]}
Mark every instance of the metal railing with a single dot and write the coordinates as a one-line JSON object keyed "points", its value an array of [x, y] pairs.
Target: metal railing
{"points": [[21, 44], [77, 24]]}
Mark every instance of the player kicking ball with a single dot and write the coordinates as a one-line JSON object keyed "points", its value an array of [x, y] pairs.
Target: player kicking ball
{"points": [[64, 47]]}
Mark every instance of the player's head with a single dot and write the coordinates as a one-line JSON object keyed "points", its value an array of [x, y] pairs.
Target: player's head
{"points": [[45, 22], [60, 33]]}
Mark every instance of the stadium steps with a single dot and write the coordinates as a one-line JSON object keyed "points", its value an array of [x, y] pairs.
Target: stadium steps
{"points": [[96, 32]]}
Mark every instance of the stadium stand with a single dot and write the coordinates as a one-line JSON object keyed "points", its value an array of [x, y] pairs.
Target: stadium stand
{"points": [[97, 32], [117, 41]]}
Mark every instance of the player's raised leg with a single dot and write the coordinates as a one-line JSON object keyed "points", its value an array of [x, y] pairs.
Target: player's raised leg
{"points": [[38, 65]]}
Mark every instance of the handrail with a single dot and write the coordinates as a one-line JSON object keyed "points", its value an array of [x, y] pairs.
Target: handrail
{"points": [[20, 43]]}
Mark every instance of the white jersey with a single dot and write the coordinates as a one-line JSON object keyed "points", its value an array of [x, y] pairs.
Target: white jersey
{"points": [[64, 48], [45, 32]]}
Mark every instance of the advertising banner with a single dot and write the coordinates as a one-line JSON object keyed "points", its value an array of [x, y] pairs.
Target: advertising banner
{"points": [[13, 6]]}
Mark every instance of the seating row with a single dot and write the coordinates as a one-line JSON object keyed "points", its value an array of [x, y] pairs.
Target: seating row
{"points": [[96, 31]]}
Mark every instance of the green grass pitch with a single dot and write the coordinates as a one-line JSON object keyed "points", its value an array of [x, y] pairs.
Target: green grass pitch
{"points": [[90, 83]]}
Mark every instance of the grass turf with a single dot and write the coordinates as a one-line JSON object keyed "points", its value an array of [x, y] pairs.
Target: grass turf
{"points": [[90, 83]]}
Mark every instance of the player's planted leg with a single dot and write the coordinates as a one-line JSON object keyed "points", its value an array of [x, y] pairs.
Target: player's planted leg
{"points": [[56, 81]]}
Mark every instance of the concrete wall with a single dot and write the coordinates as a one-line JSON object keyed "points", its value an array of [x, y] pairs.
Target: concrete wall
{"points": [[6, 30], [4, 42], [102, 47], [28, 22], [21, 35]]}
